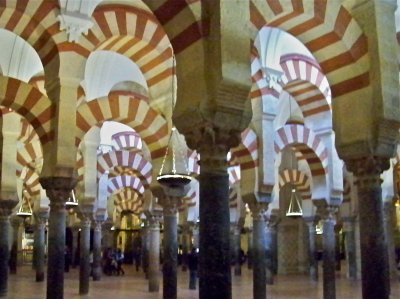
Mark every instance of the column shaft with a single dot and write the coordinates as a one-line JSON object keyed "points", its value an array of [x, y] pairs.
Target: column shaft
{"points": [[154, 257], [374, 258], [238, 256], [4, 253], [350, 246], [312, 251], [329, 258], [39, 248], [84, 263], [96, 267], [259, 265], [170, 256], [269, 255], [15, 224], [214, 257], [56, 249]]}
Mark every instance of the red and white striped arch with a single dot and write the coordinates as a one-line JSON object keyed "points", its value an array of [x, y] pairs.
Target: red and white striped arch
{"points": [[134, 161], [128, 200], [234, 174], [319, 25], [299, 137], [304, 80], [139, 36], [124, 140], [29, 153], [233, 197], [247, 152], [136, 113], [27, 134], [297, 178], [35, 22], [31, 180], [31, 104], [123, 181]]}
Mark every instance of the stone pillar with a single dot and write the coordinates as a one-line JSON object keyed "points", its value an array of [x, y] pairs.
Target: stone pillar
{"points": [[74, 247], [16, 223], [312, 248], [338, 264], [170, 248], [271, 243], [350, 245], [58, 189], [389, 224], [185, 245], [214, 257], [154, 253], [6, 207], [86, 215], [145, 249], [329, 264], [374, 253], [237, 247], [250, 249], [96, 266], [39, 243], [259, 250]]}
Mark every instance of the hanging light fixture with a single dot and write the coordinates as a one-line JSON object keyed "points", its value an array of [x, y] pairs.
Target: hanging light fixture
{"points": [[174, 169], [71, 202], [294, 209], [25, 209], [397, 202]]}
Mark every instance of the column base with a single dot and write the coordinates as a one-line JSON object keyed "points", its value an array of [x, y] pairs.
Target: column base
{"points": [[40, 277]]}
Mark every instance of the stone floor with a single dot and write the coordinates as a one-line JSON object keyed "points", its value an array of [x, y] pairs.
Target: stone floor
{"points": [[134, 285]]}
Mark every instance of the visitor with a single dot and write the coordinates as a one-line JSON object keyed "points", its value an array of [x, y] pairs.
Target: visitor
{"points": [[119, 257], [193, 265]]}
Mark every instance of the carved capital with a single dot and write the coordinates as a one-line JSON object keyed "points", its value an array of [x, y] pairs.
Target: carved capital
{"points": [[258, 210], [368, 170], [154, 221], [58, 189]]}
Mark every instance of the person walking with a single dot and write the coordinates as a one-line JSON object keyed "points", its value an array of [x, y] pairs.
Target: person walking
{"points": [[119, 258], [192, 264]]}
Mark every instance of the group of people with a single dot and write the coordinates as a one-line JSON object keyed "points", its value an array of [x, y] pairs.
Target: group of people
{"points": [[112, 261]]}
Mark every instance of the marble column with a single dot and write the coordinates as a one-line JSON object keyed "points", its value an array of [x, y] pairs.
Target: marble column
{"points": [[96, 267], [154, 253], [259, 250], [389, 225], [374, 253], [170, 248], [214, 258], [6, 207], [58, 189], [338, 264], [84, 263], [312, 249], [250, 249], [15, 224], [74, 247], [350, 245], [237, 247], [329, 264], [185, 245], [145, 248], [271, 244], [39, 243]]}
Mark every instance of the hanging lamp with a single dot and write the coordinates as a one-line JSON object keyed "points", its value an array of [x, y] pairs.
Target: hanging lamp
{"points": [[71, 202], [25, 209], [294, 209], [174, 169], [397, 202]]}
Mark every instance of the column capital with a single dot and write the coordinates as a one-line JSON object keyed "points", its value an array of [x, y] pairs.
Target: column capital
{"points": [[213, 142], [368, 170], [58, 189], [258, 210], [154, 220]]}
